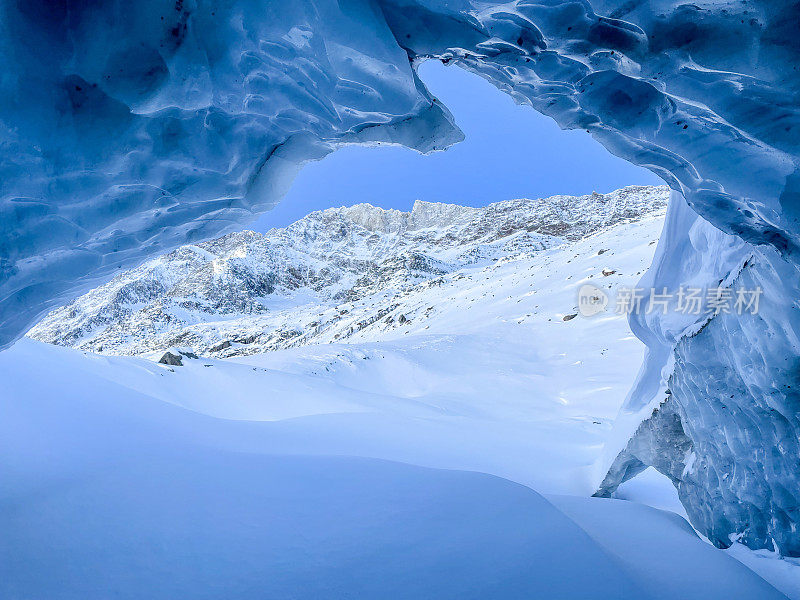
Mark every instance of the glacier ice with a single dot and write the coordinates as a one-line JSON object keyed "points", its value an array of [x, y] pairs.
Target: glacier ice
{"points": [[719, 395], [129, 128]]}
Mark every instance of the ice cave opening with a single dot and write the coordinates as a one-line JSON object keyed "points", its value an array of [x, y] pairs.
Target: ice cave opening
{"points": [[125, 137], [508, 151]]}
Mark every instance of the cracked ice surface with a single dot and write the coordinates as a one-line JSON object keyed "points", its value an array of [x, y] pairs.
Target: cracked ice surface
{"points": [[129, 128]]}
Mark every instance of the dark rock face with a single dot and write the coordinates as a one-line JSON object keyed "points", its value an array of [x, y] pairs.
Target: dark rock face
{"points": [[169, 358], [224, 345]]}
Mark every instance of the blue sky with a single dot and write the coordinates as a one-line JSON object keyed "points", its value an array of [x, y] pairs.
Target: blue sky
{"points": [[510, 151]]}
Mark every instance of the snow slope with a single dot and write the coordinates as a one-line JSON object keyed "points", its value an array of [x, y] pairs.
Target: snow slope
{"points": [[401, 468], [109, 491], [461, 374]]}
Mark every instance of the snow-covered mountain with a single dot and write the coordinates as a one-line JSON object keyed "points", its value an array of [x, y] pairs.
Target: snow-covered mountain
{"points": [[344, 274]]}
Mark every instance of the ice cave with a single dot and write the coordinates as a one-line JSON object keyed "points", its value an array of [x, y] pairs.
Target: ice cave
{"points": [[129, 129]]}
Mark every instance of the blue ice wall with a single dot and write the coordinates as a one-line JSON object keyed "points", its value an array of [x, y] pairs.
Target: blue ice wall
{"points": [[127, 129], [716, 407]]}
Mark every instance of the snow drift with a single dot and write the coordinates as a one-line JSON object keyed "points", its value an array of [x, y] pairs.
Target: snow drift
{"points": [[121, 493], [129, 129]]}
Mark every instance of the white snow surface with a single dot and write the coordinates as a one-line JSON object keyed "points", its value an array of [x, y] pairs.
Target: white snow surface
{"points": [[399, 467]]}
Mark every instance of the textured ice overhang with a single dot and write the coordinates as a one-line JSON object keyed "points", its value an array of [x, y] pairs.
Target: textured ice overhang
{"points": [[128, 128]]}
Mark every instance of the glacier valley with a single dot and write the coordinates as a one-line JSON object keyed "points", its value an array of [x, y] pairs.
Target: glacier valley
{"points": [[397, 447]]}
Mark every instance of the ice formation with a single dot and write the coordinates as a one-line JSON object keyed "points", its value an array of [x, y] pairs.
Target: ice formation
{"points": [[724, 389], [128, 129]]}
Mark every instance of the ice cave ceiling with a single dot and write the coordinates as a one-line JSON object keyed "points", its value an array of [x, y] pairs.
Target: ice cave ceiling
{"points": [[129, 128]]}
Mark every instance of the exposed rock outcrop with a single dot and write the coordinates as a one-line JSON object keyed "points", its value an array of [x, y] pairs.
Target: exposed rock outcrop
{"points": [[171, 359]]}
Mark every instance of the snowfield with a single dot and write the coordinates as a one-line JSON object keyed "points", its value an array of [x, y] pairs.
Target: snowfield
{"points": [[109, 490], [449, 456]]}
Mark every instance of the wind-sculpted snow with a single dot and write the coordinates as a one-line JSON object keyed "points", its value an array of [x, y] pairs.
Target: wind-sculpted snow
{"points": [[129, 128], [235, 481]]}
